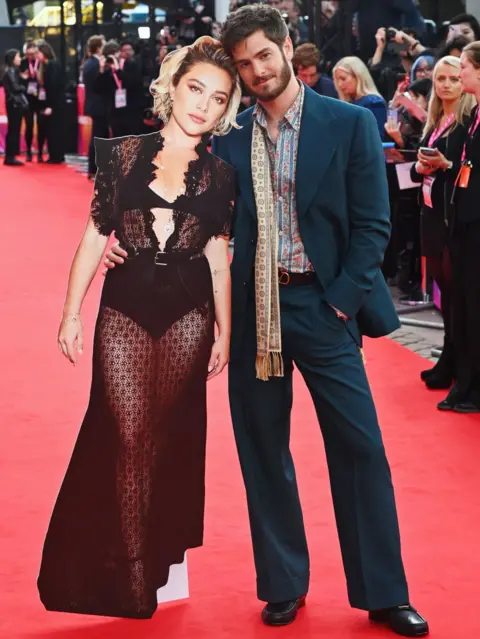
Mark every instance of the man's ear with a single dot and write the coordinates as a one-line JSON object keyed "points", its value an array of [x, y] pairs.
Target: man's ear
{"points": [[288, 48]]}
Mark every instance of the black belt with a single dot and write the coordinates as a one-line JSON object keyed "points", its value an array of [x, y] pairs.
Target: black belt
{"points": [[295, 279], [160, 258]]}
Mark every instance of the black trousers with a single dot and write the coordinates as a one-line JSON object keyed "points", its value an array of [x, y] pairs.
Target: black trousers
{"points": [[100, 129], [328, 358], [29, 117], [12, 141], [440, 269], [466, 308], [56, 134]]}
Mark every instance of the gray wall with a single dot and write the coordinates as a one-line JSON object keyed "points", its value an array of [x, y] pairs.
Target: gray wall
{"points": [[473, 6], [3, 13]]}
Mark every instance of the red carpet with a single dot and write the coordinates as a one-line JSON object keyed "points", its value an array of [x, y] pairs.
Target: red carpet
{"points": [[434, 458]]}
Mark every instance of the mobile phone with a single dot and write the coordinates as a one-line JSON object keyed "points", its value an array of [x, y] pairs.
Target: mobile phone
{"points": [[428, 151], [393, 115]]}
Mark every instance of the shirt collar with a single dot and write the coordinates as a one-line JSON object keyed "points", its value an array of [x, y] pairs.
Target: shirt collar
{"points": [[292, 116]]}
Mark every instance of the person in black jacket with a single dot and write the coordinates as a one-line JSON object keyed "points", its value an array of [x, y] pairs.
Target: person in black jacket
{"points": [[29, 69], [445, 131], [95, 103], [16, 103], [54, 105], [465, 395], [120, 83]]}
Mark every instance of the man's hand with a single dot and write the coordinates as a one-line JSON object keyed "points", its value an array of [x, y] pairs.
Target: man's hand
{"points": [[116, 255]]}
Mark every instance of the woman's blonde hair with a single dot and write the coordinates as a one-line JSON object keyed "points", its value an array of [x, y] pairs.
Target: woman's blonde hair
{"points": [[357, 68], [177, 63], [435, 107]]}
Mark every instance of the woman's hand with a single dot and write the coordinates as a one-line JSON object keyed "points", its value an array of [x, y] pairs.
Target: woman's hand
{"points": [[219, 357], [393, 130], [424, 169], [70, 337], [381, 38], [47, 111], [437, 161]]}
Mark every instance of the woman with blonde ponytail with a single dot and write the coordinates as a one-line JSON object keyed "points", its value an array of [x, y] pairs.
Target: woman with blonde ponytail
{"points": [[133, 497], [445, 130]]}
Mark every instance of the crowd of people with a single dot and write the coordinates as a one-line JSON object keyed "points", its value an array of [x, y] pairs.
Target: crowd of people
{"points": [[410, 88], [34, 91], [299, 181]]}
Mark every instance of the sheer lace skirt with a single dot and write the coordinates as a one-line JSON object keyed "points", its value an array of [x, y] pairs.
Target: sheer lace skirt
{"points": [[132, 500]]}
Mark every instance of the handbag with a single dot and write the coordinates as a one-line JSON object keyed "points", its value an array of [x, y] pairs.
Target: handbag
{"points": [[19, 101]]}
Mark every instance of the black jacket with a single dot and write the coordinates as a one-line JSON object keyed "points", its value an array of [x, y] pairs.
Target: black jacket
{"points": [[95, 102], [131, 78], [14, 89], [436, 223], [467, 201], [54, 83]]}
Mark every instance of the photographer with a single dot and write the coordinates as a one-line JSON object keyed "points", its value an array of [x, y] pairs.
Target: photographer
{"points": [[394, 57], [437, 166], [120, 82]]}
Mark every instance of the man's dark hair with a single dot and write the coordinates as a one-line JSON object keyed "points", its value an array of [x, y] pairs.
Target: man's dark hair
{"points": [[457, 44], [246, 21], [10, 56], [110, 48], [467, 18], [421, 87], [124, 43]]}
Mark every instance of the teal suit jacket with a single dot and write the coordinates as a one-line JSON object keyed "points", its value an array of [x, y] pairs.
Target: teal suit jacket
{"points": [[343, 212]]}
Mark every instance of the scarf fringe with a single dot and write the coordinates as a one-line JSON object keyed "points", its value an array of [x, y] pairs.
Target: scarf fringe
{"points": [[269, 365]]}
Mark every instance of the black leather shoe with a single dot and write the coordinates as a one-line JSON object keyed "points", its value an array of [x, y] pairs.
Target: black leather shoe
{"points": [[12, 162], [466, 407], [454, 397], [445, 405], [404, 620], [281, 614]]}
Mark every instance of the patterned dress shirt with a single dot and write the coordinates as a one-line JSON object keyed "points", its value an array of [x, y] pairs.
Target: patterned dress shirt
{"points": [[283, 164]]}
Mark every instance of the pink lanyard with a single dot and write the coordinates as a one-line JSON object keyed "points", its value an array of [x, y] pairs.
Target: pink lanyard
{"points": [[33, 69], [471, 132], [115, 76], [439, 131]]}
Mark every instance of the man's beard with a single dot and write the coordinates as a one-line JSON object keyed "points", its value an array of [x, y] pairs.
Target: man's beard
{"points": [[283, 80]]}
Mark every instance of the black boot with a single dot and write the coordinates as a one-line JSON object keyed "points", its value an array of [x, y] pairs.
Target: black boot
{"points": [[441, 375]]}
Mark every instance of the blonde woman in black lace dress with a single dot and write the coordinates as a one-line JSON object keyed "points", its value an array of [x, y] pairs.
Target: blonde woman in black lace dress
{"points": [[132, 500]]}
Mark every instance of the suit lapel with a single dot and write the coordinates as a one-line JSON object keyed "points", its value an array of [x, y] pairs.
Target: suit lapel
{"points": [[316, 148]]}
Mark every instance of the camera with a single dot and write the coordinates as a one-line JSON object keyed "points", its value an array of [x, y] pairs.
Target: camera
{"points": [[391, 33]]}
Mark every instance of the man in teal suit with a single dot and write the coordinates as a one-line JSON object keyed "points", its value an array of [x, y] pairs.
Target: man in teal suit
{"points": [[311, 225]]}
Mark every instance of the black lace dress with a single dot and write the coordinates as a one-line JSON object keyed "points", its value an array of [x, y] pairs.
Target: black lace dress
{"points": [[132, 500]]}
